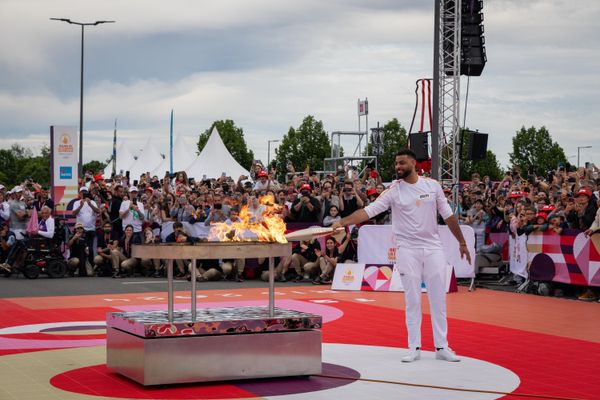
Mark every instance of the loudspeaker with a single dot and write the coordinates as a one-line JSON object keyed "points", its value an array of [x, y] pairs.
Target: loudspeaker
{"points": [[418, 145], [477, 145], [472, 61]]}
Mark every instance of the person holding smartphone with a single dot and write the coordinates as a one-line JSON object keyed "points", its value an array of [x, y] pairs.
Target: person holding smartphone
{"points": [[86, 212], [350, 201], [133, 213], [77, 247]]}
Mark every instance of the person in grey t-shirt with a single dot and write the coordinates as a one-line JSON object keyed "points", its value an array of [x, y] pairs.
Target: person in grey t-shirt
{"points": [[19, 214]]}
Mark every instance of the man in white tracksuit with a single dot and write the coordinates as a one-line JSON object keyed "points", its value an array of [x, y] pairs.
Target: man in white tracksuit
{"points": [[415, 202]]}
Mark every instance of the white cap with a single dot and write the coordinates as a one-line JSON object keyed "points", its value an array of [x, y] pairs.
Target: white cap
{"points": [[133, 189], [84, 189], [2, 186], [17, 189]]}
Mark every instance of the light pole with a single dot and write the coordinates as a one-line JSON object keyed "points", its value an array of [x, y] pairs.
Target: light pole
{"points": [[83, 25], [269, 150], [581, 147]]}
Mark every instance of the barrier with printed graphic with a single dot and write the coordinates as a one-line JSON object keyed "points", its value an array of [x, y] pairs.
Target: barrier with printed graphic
{"points": [[377, 245], [378, 278], [570, 257]]}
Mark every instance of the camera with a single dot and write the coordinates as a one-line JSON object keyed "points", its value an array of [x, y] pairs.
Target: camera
{"points": [[218, 206]]}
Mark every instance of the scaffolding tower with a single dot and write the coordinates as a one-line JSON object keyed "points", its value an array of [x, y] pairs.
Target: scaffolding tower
{"points": [[446, 96], [336, 160]]}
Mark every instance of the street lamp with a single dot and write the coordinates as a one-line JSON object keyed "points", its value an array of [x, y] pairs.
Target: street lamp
{"points": [[83, 25], [269, 150], [581, 147]]}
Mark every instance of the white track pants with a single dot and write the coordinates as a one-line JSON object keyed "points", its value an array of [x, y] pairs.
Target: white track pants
{"points": [[429, 266]]}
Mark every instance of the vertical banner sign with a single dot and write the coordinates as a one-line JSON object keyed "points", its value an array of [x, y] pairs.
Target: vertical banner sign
{"points": [[64, 150], [363, 107]]}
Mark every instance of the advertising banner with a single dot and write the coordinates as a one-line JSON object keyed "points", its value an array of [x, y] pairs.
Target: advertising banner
{"points": [[64, 150]]}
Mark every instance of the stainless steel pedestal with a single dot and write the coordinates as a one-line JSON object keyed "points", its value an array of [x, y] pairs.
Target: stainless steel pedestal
{"points": [[186, 359], [159, 347]]}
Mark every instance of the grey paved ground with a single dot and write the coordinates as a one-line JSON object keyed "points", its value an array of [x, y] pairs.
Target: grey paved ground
{"points": [[22, 287]]}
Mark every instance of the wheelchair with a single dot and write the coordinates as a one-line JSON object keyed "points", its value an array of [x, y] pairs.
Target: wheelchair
{"points": [[33, 256]]}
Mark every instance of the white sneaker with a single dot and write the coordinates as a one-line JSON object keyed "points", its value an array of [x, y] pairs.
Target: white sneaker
{"points": [[413, 355], [446, 354]]}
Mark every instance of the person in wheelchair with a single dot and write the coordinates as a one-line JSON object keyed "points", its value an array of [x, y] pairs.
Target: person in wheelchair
{"points": [[45, 225], [42, 238]]}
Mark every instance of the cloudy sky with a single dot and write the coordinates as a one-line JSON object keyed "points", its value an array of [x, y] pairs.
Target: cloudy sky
{"points": [[268, 63]]}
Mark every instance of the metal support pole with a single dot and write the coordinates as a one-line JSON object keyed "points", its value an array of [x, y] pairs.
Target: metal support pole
{"points": [[193, 277], [170, 289], [83, 25], [435, 129], [80, 165], [271, 287]]}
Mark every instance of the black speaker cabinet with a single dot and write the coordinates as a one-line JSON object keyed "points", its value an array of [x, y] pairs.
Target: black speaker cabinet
{"points": [[418, 145], [477, 145]]}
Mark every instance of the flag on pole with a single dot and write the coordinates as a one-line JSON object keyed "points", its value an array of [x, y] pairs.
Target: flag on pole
{"points": [[114, 154], [363, 107], [171, 146]]}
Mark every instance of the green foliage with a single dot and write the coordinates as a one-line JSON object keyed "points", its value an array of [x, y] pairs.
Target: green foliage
{"points": [[307, 145], [94, 166], [233, 138], [18, 163], [534, 148], [488, 166], [394, 139]]}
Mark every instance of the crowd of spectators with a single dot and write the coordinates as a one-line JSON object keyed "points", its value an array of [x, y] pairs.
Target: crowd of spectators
{"points": [[113, 214]]}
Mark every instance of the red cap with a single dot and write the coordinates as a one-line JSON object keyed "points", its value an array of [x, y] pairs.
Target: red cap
{"points": [[446, 190], [549, 208], [99, 177], [584, 191], [542, 215], [149, 189], [306, 186], [515, 194], [263, 174], [371, 192]]}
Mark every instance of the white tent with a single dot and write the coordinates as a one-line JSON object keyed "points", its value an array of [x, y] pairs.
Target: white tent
{"points": [[182, 158], [124, 161], [148, 160], [214, 160]]}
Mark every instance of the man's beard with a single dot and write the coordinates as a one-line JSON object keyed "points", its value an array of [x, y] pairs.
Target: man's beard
{"points": [[401, 174]]}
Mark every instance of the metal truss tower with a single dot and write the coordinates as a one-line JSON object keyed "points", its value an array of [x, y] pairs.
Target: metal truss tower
{"points": [[446, 96]]}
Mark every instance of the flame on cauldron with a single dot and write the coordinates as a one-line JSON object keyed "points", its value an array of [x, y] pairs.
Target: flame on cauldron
{"points": [[259, 221]]}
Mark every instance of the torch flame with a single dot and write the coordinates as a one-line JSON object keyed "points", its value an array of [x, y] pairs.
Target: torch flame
{"points": [[263, 223]]}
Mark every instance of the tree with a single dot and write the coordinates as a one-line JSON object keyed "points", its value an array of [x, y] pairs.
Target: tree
{"points": [[233, 138], [488, 166], [307, 145], [534, 148], [95, 166], [36, 168], [18, 163], [394, 139]]}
